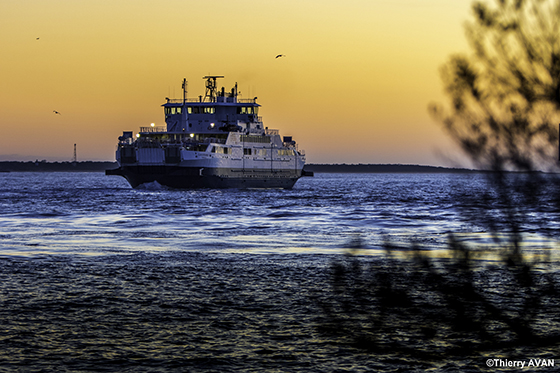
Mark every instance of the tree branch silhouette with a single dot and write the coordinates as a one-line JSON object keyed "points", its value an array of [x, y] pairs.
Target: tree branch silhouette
{"points": [[503, 112]]}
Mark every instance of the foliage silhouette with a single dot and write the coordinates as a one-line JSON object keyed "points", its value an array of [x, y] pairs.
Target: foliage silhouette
{"points": [[505, 96], [435, 308], [505, 105], [503, 113]]}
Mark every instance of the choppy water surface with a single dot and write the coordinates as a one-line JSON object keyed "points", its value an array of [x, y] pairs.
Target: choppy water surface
{"points": [[93, 214], [97, 276]]}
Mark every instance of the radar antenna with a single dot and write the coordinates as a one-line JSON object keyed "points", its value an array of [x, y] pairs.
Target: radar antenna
{"points": [[211, 87]]}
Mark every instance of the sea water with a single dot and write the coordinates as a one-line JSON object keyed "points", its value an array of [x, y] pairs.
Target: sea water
{"points": [[94, 214], [95, 275]]}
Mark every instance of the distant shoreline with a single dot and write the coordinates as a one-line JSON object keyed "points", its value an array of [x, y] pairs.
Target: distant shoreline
{"points": [[382, 168], [44, 166], [92, 166]]}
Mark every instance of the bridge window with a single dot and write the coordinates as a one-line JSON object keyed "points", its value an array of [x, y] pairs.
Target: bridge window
{"points": [[245, 110], [173, 110], [201, 110]]}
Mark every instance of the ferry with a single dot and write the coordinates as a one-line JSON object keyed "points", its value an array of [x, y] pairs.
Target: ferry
{"points": [[213, 141]]}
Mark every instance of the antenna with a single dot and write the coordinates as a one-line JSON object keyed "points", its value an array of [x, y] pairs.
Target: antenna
{"points": [[211, 90], [185, 84]]}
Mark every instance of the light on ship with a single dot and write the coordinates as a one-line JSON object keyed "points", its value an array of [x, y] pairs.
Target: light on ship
{"points": [[192, 135]]}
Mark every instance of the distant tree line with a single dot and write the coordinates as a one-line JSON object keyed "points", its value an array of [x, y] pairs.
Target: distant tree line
{"points": [[44, 166], [381, 168]]}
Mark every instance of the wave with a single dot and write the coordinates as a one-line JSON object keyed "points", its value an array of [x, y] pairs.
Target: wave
{"points": [[151, 186]]}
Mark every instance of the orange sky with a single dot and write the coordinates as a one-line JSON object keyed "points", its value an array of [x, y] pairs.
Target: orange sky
{"points": [[353, 88]]}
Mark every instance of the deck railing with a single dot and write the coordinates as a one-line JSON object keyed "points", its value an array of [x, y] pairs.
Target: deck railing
{"points": [[156, 143], [197, 100], [153, 129]]}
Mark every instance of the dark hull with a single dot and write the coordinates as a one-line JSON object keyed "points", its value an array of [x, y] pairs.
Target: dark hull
{"points": [[196, 177]]}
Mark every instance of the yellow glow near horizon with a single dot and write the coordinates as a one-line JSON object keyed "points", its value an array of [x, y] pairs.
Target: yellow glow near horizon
{"points": [[353, 87]]}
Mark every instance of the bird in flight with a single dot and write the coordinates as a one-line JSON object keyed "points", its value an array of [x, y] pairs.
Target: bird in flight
{"points": [[37, 39], [280, 55], [56, 112]]}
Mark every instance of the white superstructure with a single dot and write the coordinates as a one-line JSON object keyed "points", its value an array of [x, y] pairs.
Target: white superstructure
{"points": [[213, 141]]}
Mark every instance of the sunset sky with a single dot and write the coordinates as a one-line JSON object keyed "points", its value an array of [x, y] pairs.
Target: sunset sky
{"points": [[354, 86]]}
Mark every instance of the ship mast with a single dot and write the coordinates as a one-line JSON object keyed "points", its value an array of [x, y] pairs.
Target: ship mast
{"points": [[185, 83], [211, 87]]}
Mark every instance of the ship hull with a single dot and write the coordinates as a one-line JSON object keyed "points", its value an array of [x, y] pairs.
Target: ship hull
{"points": [[178, 177]]}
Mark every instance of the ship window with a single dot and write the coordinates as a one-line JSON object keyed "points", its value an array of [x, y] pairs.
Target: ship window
{"points": [[247, 151], [220, 150], [245, 110], [285, 152], [174, 110], [209, 110]]}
